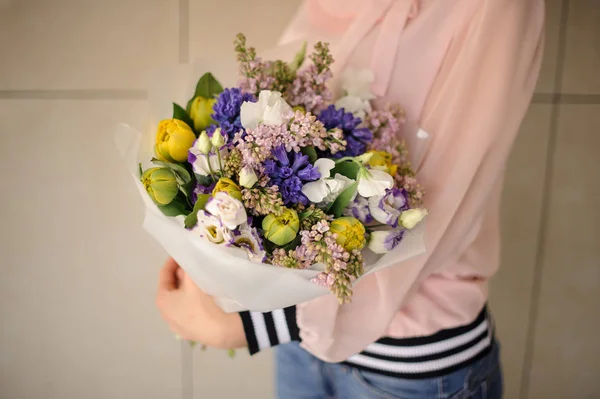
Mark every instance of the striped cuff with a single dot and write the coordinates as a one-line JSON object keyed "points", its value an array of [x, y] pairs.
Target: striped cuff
{"points": [[264, 330], [430, 356]]}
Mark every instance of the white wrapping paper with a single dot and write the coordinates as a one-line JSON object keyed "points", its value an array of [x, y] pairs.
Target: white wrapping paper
{"points": [[225, 273]]}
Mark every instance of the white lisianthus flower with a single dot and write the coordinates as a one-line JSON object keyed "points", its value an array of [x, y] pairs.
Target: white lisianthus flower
{"points": [[200, 160], [410, 218], [384, 241], [247, 237], [355, 105], [248, 177], [269, 110], [388, 208], [373, 182], [227, 209], [210, 227]]}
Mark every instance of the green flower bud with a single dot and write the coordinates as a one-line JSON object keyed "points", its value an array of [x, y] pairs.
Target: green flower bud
{"points": [[201, 110], [281, 230], [204, 144], [161, 185], [217, 139], [350, 233], [228, 186], [173, 140]]}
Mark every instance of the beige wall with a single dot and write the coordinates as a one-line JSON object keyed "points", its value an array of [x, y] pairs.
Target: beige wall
{"points": [[78, 272]]}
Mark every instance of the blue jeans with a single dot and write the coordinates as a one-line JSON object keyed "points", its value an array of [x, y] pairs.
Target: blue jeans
{"points": [[302, 376]]}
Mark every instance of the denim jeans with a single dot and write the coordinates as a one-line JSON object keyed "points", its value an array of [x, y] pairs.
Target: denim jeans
{"points": [[302, 376]]}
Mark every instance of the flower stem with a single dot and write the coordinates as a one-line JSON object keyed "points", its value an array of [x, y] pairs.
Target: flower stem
{"points": [[210, 170], [219, 158]]}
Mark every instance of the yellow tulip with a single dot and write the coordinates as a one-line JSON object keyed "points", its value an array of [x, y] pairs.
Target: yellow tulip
{"points": [[350, 233], [228, 186], [281, 230], [201, 111], [382, 160], [173, 140]]}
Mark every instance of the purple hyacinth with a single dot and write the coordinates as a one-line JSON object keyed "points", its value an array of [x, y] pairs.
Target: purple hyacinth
{"points": [[226, 111], [290, 171], [357, 138]]}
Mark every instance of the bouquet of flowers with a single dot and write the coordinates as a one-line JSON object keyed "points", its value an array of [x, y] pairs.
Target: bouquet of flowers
{"points": [[269, 193]]}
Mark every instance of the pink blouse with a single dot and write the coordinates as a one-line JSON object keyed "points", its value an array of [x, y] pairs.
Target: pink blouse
{"points": [[465, 71]]}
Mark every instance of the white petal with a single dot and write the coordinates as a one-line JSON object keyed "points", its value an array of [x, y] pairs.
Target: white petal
{"points": [[315, 191], [375, 184], [377, 242], [324, 165], [272, 116], [378, 214], [250, 114]]}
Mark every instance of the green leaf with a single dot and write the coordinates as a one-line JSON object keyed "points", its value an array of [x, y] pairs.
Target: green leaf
{"points": [[208, 86], [204, 180], [311, 153], [140, 170], [192, 218], [175, 208], [182, 115], [347, 168], [181, 173], [298, 59], [341, 202]]}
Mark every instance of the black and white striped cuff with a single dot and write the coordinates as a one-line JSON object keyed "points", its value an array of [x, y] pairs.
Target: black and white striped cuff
{"points": [[264, 330], [430, 356]]}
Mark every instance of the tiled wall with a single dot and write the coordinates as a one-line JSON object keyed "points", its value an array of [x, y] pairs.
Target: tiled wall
{"points": [[78, 272]]}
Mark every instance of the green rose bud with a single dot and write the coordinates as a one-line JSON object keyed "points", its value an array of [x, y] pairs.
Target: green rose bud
{"points": [[228, 186], [217, 139], [161, 185], [201, 110], [350, 233], [204, 144], [281, 230], [173, 140]]}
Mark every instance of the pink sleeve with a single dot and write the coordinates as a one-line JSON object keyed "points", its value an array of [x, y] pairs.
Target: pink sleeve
{"points": [[473, 113]]}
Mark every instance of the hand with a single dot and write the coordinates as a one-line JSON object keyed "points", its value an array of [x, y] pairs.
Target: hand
{"points": [[192, 314]]}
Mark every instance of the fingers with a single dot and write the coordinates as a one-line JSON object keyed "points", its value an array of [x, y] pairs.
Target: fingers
{"points": [[167, 279], [180, 274]]}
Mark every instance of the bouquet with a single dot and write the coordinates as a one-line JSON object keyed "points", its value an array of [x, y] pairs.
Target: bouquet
{"points": [[270, 193]]}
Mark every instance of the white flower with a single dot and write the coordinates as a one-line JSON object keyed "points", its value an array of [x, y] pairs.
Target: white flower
{"points": [[269, 110], [384, 241], [386, 209], [373, 182], [327, 188], [316, 191], [412, 217], [355, 105], [357, 83], [209, 227], [199, 159], [336, 186], [229, 210], [248, 177], [247, 237]]}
